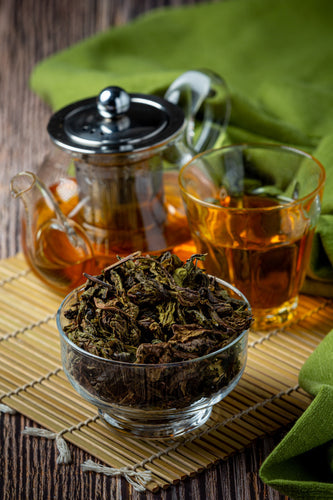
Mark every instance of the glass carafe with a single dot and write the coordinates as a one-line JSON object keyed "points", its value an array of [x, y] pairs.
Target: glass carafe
{"points": [[110, 187]]}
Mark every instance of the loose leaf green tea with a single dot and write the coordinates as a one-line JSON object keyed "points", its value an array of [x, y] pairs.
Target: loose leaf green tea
{"points": [[166, 321], [155, 309]]}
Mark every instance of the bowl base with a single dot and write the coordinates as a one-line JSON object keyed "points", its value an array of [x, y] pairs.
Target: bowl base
{"points": [[148, 426]]}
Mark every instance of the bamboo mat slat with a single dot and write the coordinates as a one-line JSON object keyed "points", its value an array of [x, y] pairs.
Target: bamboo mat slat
{"points": [[33, 383]]}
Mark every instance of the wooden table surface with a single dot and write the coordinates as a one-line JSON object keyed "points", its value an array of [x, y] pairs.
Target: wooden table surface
{"points": [[30, 30]]}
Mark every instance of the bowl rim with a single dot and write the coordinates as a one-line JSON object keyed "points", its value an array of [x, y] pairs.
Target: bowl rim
{"points": [[150, 365]]}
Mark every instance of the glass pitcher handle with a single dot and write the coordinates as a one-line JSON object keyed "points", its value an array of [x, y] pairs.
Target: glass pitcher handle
{"points": [[202, 90]]}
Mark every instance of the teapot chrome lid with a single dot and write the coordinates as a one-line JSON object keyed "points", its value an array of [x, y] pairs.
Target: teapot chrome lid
{"points": [[115, 122]]}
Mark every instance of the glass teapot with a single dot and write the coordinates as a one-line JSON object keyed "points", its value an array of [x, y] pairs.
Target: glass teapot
{"points": [[111, 186]]}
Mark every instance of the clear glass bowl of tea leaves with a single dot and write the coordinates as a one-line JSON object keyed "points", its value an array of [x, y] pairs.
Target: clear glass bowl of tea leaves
{"points": [[154, 343]]}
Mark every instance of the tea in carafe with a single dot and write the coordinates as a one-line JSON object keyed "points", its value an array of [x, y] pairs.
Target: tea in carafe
{"points": [[60, 252], [54, 245]]}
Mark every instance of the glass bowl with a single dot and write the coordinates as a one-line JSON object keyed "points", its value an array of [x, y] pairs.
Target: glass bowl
{"points": [[154, 400]]}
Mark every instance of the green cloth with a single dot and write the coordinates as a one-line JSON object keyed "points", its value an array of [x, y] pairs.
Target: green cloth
{"points": [[301, 466], [276, 57]]}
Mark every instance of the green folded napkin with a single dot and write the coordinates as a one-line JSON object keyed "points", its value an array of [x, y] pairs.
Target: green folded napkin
{"points": [[301, 466], [276, 57]]}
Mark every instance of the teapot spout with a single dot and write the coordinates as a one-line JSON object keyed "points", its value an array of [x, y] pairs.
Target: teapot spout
{"points": [[55, 246]]}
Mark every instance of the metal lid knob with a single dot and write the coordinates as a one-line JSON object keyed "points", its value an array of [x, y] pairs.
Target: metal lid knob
{"points": [[112, 102]]}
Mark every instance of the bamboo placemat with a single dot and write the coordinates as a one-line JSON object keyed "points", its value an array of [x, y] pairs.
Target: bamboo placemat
{"points": [[33, 383]]}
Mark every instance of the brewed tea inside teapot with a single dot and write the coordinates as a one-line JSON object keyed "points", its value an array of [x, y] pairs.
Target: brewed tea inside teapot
{"points": [[110, 187]]}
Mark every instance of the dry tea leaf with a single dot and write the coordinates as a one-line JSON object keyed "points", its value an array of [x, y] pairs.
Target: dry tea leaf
{"points": [[149, 313], [146, 309]]}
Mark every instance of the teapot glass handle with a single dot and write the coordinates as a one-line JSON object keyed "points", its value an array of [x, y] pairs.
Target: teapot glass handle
{"points": [[207, 92]]}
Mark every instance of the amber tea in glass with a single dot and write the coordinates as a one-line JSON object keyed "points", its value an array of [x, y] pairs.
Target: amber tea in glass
{"points": [[253, 210]]}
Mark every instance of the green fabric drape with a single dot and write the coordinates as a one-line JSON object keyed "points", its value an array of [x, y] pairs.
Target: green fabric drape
{"points": [[301, 466]]}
